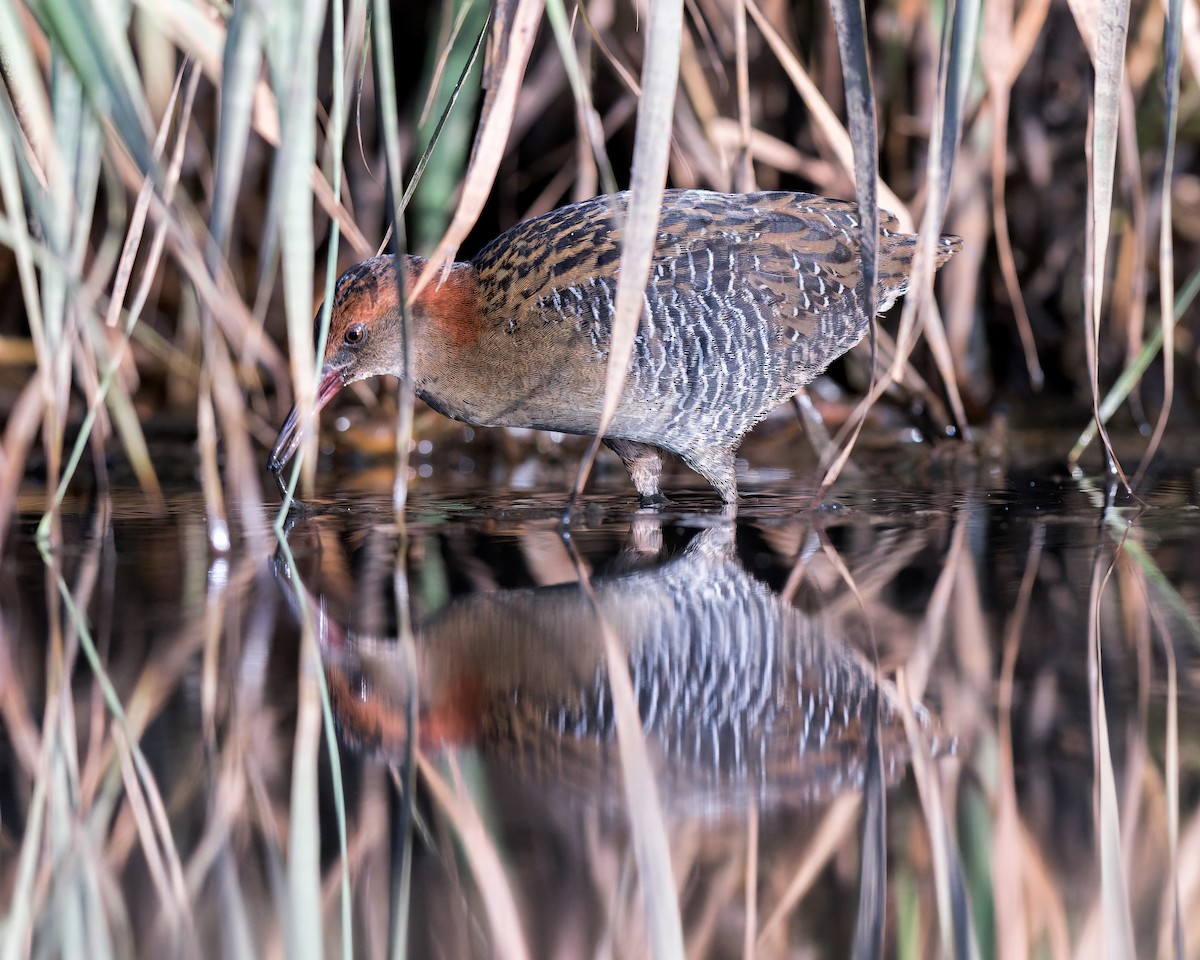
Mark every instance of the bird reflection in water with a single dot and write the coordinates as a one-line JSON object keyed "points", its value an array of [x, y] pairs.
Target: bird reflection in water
{"points": [[743, 698]]}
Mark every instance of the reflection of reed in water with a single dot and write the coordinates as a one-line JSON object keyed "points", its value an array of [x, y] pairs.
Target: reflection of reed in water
{"points": [[740, 695]]}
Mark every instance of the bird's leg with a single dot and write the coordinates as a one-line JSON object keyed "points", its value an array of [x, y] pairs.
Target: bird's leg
{"points": [[716, 465], [644, 464]]}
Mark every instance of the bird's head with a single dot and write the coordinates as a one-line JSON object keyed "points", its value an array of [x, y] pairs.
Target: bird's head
{"points": [[366, 333]]}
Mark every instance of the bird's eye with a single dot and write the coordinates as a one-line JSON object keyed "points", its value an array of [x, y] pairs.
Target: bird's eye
{"points": [[355, 334]]}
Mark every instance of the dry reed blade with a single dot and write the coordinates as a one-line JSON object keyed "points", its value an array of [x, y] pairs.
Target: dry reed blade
{"points": [[304, 922], [24, 418], [17, 237], [749, 934], [31, 104], [137, 222], [110, 396], [98, 80], [694, 157], [216, 514], [134, 440], [743, 166], [154, 827], [836, 825], [958, 47], [389, 120], [647, 178], [850, 20], [479, 850], [888, 352], [240, 68], [204, 37], [244, 66], [627, 77], [1171, 939], [1000, 68], [336, 138], [815, 431], [651, 847], [513, 33], [589, 120], [1172, 44], [1118, 924], [1127, 300], [1008, 873], [954, 914], [292, 52], [826, 120], [954, 71], [1106, 33], [872, 889], [59, 209], [1132, 374]]}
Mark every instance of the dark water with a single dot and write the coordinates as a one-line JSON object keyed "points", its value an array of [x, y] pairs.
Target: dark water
{"points": [[764, 655]]}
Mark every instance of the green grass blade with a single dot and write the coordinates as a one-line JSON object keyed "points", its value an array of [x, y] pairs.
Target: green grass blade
{"points": [[239, 74], [432, 189], [92, 38], [128, 745], [294, 63], [514, 27], [1131, 376], [592, 128]]}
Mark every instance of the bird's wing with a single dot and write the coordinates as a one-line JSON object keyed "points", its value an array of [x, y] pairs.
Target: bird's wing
{"points": [[791, 258]]}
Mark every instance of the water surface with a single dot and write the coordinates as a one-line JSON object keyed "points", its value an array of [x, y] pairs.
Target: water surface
{"points": [[786, 666]]}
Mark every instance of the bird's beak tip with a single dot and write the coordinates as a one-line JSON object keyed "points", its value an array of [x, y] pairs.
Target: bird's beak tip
{"points": [[290, 434]]}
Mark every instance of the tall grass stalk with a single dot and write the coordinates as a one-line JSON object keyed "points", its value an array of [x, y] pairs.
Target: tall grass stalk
{"points": [[1108, 36], [1118, 925]]}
